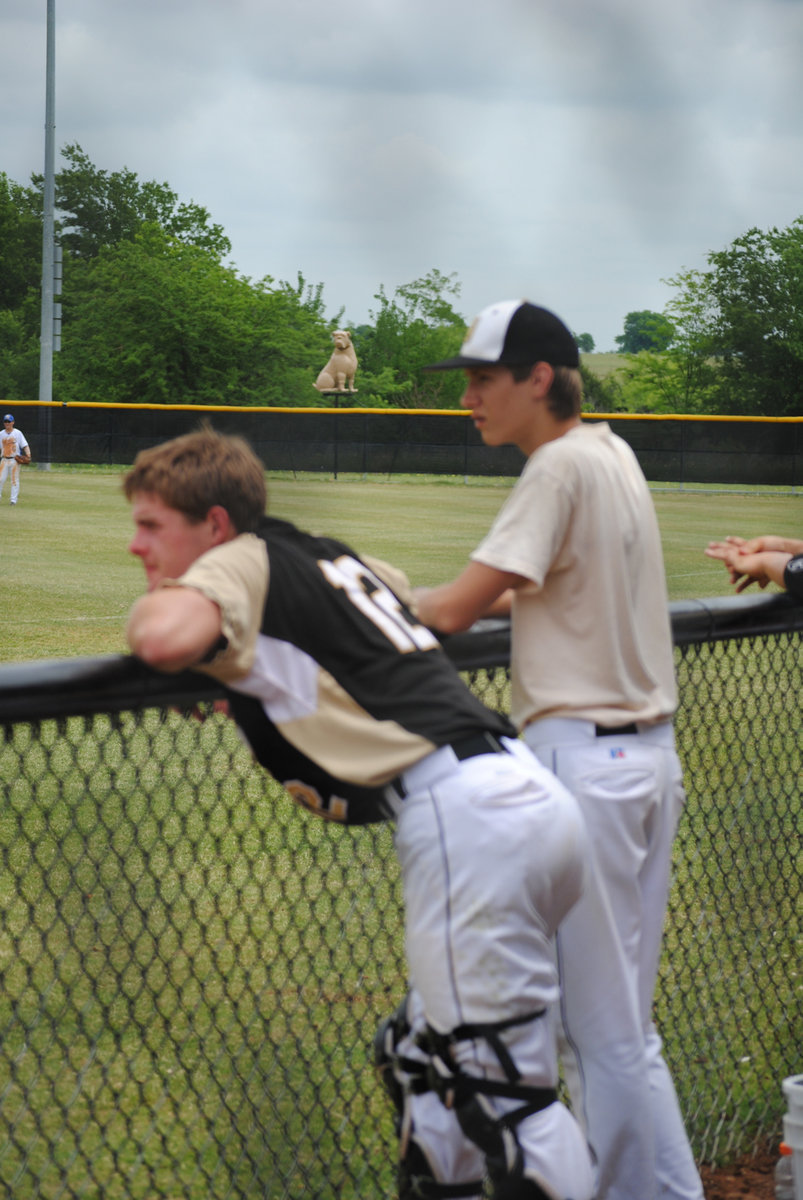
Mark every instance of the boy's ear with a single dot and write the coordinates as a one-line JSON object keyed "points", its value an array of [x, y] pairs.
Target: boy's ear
{"points": [[541, 377], [220, 523]]}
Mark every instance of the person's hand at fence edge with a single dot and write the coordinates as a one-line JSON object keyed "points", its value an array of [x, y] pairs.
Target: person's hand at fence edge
{"points": [[762, 560]]}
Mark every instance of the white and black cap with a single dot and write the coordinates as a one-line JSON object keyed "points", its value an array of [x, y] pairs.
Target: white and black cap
{"points": [[514, 333]]}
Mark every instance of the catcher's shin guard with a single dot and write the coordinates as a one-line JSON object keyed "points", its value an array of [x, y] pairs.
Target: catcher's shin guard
{"points": [[494, 1134], [416, 1179], [518, 1189], [387, 1060], [500, 1145], [401, 1076]]}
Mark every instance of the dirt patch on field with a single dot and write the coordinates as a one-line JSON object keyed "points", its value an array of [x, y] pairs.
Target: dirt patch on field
{"points": [[750, 1178]]}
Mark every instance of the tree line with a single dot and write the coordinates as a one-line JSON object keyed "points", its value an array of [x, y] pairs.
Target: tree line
{"points": [[730, 340], [152, 314]]}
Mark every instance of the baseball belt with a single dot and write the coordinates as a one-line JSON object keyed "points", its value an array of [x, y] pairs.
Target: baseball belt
{"points": [[463, 748]]}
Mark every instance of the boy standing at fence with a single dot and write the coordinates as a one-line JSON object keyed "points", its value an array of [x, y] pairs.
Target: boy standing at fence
{"points": [[575, 557], [346, 698]]}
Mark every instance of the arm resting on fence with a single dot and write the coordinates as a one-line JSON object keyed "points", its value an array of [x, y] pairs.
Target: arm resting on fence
{"points": [[117, 683]]}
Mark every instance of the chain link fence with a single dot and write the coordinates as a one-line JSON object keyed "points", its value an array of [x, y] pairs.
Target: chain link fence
{"points": [[192, 969]]}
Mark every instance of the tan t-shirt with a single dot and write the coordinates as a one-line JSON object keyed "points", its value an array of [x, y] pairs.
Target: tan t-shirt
{"points": [[235, 577], [591, 632]]}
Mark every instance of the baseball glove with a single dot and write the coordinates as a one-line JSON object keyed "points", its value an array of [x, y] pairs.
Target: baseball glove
{"points": [[23, 458]]}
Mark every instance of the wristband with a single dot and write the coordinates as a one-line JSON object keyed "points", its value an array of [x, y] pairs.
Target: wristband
{"points": [[793, 576]]}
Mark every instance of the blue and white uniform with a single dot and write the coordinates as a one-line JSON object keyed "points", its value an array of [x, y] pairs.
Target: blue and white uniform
{"points": [[12, 443]]}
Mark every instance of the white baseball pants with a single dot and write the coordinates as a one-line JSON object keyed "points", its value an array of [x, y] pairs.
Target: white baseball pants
{"points": [[10, 469], [630, 790], [492, 853]]}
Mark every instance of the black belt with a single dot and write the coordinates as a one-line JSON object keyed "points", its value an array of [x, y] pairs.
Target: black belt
{"points": [[615, 730], [469, 747]]}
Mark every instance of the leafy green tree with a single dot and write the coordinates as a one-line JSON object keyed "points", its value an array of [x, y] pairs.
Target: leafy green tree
{"points": [[20, 277], [101, 208], [738, 341], [756, 288], [585, 343], [599, 395], [154, 320], [20, 244], [417, 326], [381, 390], [645, 330], [684, 377], [19, 356]]}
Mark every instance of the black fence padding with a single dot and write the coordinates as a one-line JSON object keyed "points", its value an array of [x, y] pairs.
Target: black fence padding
{"points": [[717, 451], [714, 450]]}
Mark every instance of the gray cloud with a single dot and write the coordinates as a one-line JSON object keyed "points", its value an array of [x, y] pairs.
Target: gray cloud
{"points": [[570, 151]]}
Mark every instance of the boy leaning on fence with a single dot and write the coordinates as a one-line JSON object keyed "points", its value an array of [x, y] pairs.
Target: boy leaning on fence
{"points": [[575, 557], [351, 703]]}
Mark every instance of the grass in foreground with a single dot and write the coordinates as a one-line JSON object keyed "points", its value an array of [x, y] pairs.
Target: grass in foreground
{"points": [[192, 968], [191, 972]]}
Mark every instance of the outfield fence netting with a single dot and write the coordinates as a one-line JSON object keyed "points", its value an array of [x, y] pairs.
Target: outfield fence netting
{"points": [[192, 968], [673, 448]]}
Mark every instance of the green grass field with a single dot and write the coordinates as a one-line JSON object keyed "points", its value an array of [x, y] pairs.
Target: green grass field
{"points": [[604, 364], [69, 580]]}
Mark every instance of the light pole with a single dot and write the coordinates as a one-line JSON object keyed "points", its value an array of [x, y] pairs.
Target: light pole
{"points": [[48, 240]]}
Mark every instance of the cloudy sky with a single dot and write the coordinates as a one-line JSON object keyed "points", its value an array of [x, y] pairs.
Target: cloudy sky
{"points": [[576, 152]]}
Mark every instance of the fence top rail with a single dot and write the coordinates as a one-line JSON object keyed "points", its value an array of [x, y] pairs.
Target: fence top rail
{"points": [[740, 418], [55, 688], [695, 621], [109, 683]]}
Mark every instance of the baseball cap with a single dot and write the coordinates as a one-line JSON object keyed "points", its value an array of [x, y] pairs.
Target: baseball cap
{"points": [[8, 417], [514, 333]]}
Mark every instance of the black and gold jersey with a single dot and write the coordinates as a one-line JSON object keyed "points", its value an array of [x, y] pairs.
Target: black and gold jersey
{"points": [[345, 689]]}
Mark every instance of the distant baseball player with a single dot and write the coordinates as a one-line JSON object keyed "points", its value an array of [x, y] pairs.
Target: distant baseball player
{"points": [[350, 702], [575, 556], [762, 560], [14, 452]]}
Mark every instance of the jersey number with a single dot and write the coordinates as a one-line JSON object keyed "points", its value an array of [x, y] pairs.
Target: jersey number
{"points": [[377, 602]]}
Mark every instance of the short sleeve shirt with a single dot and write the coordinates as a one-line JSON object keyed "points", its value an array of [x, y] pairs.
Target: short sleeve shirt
{"points": [[591, 636], [12, 442]]}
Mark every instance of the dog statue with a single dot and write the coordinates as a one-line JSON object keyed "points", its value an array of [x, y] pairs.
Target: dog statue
{"points": [[338, 374]]}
